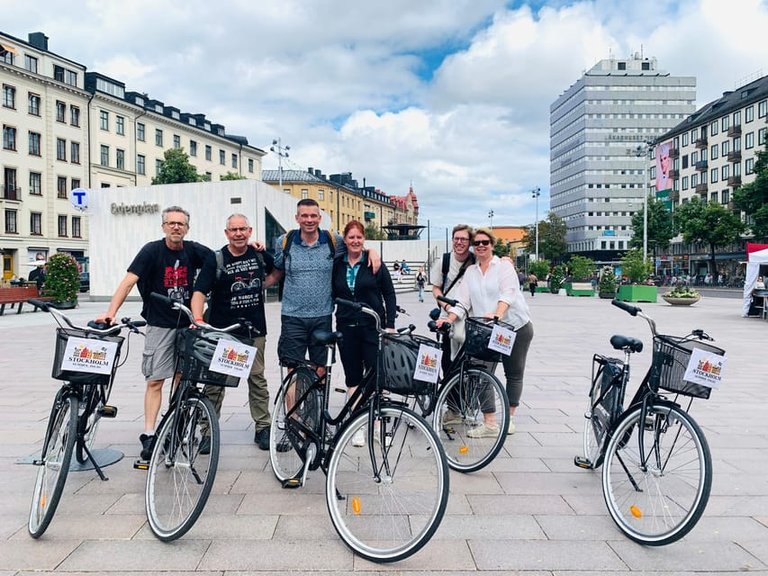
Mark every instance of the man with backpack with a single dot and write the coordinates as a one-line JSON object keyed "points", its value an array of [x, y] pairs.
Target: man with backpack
{"points": [[446, 277], [236, 277]]}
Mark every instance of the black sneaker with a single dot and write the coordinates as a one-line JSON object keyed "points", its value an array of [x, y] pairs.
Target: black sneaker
{"points": [[147, 445], [205, 445], [261, 438]]}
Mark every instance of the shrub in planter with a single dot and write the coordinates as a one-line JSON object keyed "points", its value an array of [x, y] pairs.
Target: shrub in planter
{"points": [[634, 268], [540, 268], [557, 279], [607, 285], [581, 268], [62, 280]]}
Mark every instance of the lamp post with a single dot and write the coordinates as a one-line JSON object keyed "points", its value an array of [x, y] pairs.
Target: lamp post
{"points": [[535, 193], [642, 152], [490, 217], [282, 152]]}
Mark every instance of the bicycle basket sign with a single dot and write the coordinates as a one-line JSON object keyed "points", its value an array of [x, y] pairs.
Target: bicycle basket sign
{"points": [[233, 358], [89, 355], [705, 368], [502, 340], [427, 363]]}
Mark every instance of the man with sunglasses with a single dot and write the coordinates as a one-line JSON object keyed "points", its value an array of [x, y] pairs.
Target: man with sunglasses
{"points": [[446, 274]]}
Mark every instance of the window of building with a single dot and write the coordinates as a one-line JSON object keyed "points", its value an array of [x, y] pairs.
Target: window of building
{"points": [[74, 152], [208, 152], [685, 139], [11, 225], [176, 141], [141, 164], [104, 120], [725, 148], [737, 168], [250, 165], [713, 197], [713, 152], [62, 221], [685, 182], [120, 159], [737, 144], [61, 187], [713, 128], [30, 63], [75, 184], [321, 194], [158, 137], [33, 106], [694, 180], [76, 233], [141, 132], [725, 123], [35, 184], [61, 74], [749, 114], [749, 140], [305, 194], [762, 109], [737, 118], [207, 177], [61, 111], [9, 137], [36, 223], [104, 157], [74, 116], [120, 125], [234, 160], [9, 96], [192, 148], [749, 166], [158, 166], [105, 185], [726, 196], [61, 149], [761, 136], [725, 172], [34, 144], [222, 157], [694, 158], [713, 175]]}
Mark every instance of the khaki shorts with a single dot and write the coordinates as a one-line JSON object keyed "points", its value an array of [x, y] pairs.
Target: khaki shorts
{"points": [[159, 358]]}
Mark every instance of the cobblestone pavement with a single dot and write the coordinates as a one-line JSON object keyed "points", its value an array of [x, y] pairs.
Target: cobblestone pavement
{"points": [[530, 512]]}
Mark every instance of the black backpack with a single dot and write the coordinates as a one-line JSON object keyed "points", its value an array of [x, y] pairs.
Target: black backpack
{"points": [[447, 266]]}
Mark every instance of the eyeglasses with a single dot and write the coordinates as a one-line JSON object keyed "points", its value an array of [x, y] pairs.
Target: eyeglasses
{"points": [[481, 242], [175, 224], [242, 229], [461, 240]]}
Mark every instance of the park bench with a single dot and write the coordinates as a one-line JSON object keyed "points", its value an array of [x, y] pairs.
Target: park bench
{"points": [[18, 295]]}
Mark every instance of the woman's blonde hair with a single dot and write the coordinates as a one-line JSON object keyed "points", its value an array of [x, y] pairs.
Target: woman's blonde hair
{"points": [[488, 232]]}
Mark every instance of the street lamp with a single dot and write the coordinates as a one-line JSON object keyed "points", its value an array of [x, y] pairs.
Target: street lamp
{"points": [[642, 152], [535, 193], [490, 217], [282, 152]]}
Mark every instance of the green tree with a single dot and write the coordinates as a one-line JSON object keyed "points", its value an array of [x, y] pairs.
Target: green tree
{"points": [[552, 231], [752, 198], [540, 268], [501, 248], [661, 229], [634, 267], [711, 224], [232, 176], [581, 268], [372, 232], [176, 169], [62, 280]]}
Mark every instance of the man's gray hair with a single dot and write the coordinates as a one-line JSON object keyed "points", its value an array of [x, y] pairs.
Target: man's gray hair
{"points": [[175, 209], [238, 215]]}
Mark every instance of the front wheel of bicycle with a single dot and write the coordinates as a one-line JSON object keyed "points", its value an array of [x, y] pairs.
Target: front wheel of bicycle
{"points": [[657, 493], [297, 413], [387, 500], [180, 476], [464, 403], [54, 464]]}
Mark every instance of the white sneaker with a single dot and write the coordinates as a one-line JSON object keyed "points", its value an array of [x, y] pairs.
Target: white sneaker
{"points": [[511, 428], [387, 438], [358, 440], [484, 431], [451, 417]]}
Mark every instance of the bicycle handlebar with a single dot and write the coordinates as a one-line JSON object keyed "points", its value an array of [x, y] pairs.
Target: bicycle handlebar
{"points": [[363, 307], [176, 305], [98, 328]]}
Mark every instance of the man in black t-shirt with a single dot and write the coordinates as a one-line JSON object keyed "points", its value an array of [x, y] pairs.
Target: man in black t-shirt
{"points": [[236, 286], [166, 266]]}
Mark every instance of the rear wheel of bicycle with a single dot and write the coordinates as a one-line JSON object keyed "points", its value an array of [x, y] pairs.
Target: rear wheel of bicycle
{"points": [[460, 410], [596, 420], [297, 410], [180, 477], [656, 496], [387, 509], [55, 459]]}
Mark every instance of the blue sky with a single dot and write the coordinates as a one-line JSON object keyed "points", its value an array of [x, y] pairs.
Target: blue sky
{"points": [[452, 95]]}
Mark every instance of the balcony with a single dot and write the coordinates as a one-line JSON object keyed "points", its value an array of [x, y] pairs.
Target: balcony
{"points": [[734, 156], [675, 152], [734, 181], [702, 188], [701, 165], [11, 193], [700, 142], [734, 130], [674, 174], [369, 216], [674, 196]]}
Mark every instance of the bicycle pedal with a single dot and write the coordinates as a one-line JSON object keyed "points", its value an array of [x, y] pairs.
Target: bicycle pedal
{"points": [[292, 483], [582, 462], [141, 465], [108, 411]]}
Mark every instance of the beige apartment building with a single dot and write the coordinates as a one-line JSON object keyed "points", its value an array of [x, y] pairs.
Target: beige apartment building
{"points": [[66, 128]]}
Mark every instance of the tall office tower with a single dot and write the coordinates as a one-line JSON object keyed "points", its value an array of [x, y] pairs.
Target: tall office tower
{"points": [[599, 128]]}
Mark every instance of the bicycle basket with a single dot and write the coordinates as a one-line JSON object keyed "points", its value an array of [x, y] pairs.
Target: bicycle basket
{"points": [[478, 336], [62, 337], [670, 359], [196, 348], [400, 352]]}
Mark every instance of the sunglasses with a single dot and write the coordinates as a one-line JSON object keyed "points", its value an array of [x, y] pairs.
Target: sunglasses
{"points": [[481, 242]]}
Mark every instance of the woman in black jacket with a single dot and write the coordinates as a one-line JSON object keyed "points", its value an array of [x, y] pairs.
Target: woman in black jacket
{"points": [[354, 280]]}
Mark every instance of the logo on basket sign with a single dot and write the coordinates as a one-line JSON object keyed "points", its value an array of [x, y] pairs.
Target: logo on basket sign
{"points": [[502, 339], [233, 358], [705, 368], [87, 355], [427, 364]]}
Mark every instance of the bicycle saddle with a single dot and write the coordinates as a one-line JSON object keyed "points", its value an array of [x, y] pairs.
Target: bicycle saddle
{"points": [[626, 343], [325, 337]]}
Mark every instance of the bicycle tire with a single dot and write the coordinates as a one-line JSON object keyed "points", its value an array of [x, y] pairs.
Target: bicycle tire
{"points": [[55, 458], [180, 478], [463, 398], [596, 424], [87, 426], [288, 430], [672, 492], [391, 518]]}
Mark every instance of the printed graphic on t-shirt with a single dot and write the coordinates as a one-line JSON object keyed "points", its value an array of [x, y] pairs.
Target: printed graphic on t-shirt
{"points": [[246, 286], [176, 281]]}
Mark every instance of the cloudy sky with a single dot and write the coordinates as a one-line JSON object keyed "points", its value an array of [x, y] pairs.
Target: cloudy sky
{"points": [[452, 96]]}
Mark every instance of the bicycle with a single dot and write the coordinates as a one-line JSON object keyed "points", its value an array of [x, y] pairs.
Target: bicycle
{"points": [[86, 359], [466, 391], [182, 470], [385, 499], [657, 467]]}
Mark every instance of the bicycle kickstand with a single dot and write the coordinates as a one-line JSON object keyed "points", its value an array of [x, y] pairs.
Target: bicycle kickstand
{"points": [[299, 480]]}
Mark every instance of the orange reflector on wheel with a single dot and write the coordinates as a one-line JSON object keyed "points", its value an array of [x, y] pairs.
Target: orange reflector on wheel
{"points": [[43, 501], [635, 511], [356, 506], [463, 449]]}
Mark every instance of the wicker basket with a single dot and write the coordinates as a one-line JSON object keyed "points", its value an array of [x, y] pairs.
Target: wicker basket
{"points": [[400, 352], [195, 348], [670, 359], [62, 337], [478, 337]]}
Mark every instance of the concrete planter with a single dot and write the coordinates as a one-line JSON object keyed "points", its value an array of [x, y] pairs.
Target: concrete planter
{"points": [[579, 289], [680, 301], [637, 293]]}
